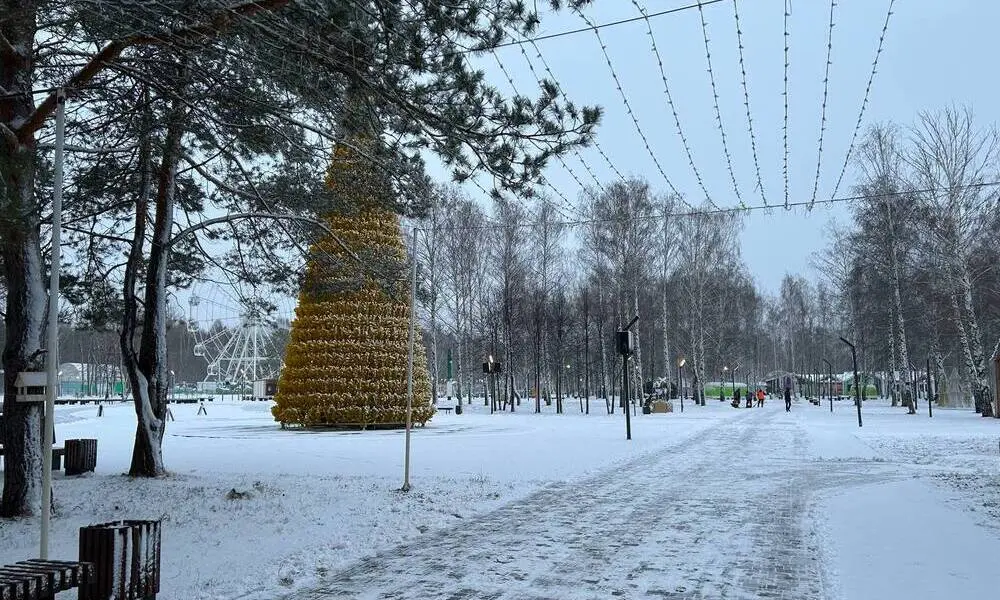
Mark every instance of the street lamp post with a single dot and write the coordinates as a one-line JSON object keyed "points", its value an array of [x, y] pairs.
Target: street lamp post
{"points": [[732, 375], [626, 347], [52, 333], [857, 389], [930, 397], [829, 387], [680, 380], [722, 388]]}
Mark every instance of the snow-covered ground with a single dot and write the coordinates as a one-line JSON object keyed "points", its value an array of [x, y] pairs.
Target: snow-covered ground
{"points": [[714, 502]]}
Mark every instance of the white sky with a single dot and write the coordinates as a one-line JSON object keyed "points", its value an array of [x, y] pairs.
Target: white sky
{"points": [[935, 53]]}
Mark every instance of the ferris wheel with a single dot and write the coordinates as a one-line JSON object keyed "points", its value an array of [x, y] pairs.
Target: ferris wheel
{"points": [[240, 344]]}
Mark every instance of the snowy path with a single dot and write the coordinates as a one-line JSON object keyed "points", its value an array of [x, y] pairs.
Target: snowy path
{"points": [[695, 519]]}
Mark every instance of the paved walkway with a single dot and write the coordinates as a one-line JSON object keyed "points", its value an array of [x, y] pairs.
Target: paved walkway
{"points": [[697, 519]]}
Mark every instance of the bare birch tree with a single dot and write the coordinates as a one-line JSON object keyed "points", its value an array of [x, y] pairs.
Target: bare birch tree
{"points": [[950, 155]]}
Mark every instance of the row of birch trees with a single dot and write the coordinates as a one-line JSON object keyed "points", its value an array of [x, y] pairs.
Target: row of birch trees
{"points": [[912, 278], [542, 286], [916, 277]]}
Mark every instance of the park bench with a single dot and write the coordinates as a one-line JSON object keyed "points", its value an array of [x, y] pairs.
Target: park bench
{"points": [[446, 409], [118, 561], [57, 452], [57, 457], [43, 579]]}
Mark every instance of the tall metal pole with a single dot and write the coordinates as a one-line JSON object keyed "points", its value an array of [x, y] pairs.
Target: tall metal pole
{"points": [[930, 397], [680, 382], [628, 421], [857, 386], [829, 386], [52, 343], [409, 361]]}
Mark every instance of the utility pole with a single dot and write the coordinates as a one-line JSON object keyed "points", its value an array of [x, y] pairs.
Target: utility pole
{"points": [[409, 362], [52, 343], [680, 380], [930, 397]]}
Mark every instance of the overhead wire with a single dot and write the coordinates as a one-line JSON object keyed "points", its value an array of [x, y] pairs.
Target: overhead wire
{"points": [[596, 27], [726, 210]]}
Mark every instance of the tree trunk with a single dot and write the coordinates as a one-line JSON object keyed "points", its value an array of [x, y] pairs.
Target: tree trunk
{"points": [[25, 312], [963, 338], [586, 347], [637, 371], [22, 263], [147, 371], [893, 385], [981, 388]]}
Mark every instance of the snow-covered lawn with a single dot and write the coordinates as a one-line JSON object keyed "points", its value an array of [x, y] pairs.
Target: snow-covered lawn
{"points": [[897, 509]]}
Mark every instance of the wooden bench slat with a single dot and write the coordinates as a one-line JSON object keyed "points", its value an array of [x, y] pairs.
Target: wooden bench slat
{"points": [[63, 573], [25, 586], [37, 579]]}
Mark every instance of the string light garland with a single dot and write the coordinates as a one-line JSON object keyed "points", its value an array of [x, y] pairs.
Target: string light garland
{"points": [[671, 105], [864, 101], [715, 103], [826, 82], [628, 108], [746, 102], [784, 94]]}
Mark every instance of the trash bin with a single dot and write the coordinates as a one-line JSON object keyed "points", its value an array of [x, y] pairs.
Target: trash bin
{"points": [[126, 559]]}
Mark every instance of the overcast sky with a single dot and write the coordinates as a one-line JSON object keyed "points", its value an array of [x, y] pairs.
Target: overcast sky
{"points": [[935, 53]]}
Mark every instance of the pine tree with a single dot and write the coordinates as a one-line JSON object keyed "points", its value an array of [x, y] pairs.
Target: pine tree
{"points": [[346, 362]]}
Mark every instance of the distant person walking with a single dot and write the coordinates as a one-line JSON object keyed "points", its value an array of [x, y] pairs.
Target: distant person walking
{"points": [[788, 393], [760, 397]]}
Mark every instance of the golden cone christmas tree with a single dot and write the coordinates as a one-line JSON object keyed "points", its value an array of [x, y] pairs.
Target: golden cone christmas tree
{"points": [[345, 364]]}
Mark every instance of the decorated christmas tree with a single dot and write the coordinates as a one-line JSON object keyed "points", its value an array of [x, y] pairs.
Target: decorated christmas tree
{"points": [[346, 361]]}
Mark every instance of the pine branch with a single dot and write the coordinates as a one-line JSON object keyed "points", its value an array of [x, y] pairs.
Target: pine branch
{"points": [[100, 61], [86, 150], [90, 233], [261, 215]]}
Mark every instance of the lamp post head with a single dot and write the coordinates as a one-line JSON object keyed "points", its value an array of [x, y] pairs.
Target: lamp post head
{"points": [[682, 362]]}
